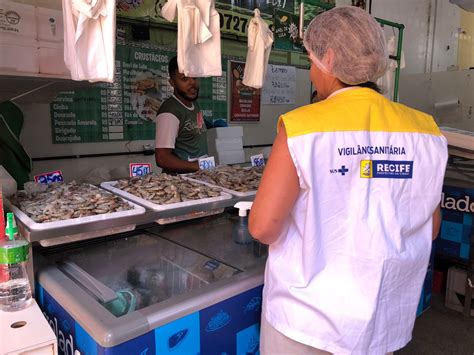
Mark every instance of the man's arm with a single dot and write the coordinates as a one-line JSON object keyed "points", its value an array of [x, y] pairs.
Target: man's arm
{"points": [[436, 222], [167, 126], [166, 160]]}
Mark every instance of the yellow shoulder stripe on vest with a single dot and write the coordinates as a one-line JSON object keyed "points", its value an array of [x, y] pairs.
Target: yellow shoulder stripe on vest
{"points": [[357, 110]]}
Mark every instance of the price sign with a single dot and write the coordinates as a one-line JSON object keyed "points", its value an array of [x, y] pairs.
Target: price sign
{"points": [[48, 178], [207, 163], [257, 160], [139, 169]]}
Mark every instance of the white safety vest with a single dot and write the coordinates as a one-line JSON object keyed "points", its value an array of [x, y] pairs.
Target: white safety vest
{"points": [[346, 274]]}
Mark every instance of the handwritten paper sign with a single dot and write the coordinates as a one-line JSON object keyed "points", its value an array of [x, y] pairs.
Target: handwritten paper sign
{"points": [[257, 160], [280, 85], [207, 163], [139, 169], [48, 178]]}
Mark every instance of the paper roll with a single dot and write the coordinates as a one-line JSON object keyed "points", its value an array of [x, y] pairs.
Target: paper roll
{"points": [[446, 104]]}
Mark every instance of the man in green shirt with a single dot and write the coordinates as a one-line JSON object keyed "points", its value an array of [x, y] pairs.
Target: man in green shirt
{"points": [[180, 129]]}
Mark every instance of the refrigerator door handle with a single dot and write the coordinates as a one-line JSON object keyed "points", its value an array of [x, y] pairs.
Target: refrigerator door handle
{"points": [[103, 293]]}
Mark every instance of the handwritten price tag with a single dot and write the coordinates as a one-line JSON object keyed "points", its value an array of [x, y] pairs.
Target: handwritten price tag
{"points": [[207, 163], [48, 178], [139, 169], [257, 160]]}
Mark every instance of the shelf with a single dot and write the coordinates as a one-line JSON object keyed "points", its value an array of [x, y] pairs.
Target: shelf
{"points": [[13, 84]]}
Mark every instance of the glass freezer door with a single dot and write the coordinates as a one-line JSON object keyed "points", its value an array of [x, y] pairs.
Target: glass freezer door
{"points": [[132, 273]]}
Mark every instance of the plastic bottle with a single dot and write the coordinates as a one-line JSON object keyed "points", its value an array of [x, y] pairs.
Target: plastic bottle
{"points": [[15, 291], [240, 231]]}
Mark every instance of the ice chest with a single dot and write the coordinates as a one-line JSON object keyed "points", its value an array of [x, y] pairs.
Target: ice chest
{"points": [[183, 302]]}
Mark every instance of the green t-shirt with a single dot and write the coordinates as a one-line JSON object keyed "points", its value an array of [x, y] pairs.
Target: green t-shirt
{"points": [[191, 142]]}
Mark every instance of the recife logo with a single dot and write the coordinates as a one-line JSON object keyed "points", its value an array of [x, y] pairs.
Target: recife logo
{"points": [[388, 169], [219, 321]]}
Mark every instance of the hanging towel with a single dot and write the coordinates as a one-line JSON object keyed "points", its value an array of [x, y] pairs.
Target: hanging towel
{"points": [[260, 39], [199, 41], [387, 81], [89, 39]]}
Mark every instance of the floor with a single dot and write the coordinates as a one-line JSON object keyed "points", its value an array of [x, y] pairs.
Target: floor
{"points": [[440, 330]]}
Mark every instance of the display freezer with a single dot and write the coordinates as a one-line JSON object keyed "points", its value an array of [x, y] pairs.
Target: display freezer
{"points": [[146, 294], [194, 291]]}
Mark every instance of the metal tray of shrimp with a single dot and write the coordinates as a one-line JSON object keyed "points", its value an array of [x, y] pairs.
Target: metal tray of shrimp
{"points": [[152, 195], [53, 212], [236, 180]]}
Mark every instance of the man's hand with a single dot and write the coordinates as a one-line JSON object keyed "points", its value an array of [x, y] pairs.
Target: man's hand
{"points": [[166, 160]]}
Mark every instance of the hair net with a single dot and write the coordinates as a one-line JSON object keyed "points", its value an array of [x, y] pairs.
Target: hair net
{"points": [[357, 40]]}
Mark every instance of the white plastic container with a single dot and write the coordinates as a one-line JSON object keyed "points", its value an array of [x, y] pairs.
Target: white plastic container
{"points": [[17, 19], [49, 25], [51, 58], [18, 55]]}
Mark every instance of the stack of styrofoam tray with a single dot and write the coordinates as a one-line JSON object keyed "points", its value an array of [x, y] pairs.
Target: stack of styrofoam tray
{"points": [[110, 186], [28, 226]]}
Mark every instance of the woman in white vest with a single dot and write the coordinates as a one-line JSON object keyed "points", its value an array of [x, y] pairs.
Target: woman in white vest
{"points": [[349, 203]]}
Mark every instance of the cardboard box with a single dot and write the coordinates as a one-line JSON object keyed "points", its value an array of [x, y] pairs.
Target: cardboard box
{"points": [[51, 58], [49, 25], [17, 20], [18, 55], [455, 290]]}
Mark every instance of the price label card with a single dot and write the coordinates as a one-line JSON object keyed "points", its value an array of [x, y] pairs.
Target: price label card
{"points": [[48, 178], [207, 163], [139, 169], [257, 160]]}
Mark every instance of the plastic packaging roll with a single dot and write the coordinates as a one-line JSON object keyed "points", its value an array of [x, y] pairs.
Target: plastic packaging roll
{"points": [[446, 104]]}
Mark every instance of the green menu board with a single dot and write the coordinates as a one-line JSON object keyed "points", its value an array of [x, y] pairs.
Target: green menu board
{"points": [[125, 109]]}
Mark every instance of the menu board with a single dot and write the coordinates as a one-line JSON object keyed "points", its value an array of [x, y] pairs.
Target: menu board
{"points": [[280, 85], [126, 108]]}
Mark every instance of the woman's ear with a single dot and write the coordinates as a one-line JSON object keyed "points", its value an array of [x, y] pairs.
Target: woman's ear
{"points": [[328, 59]]}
